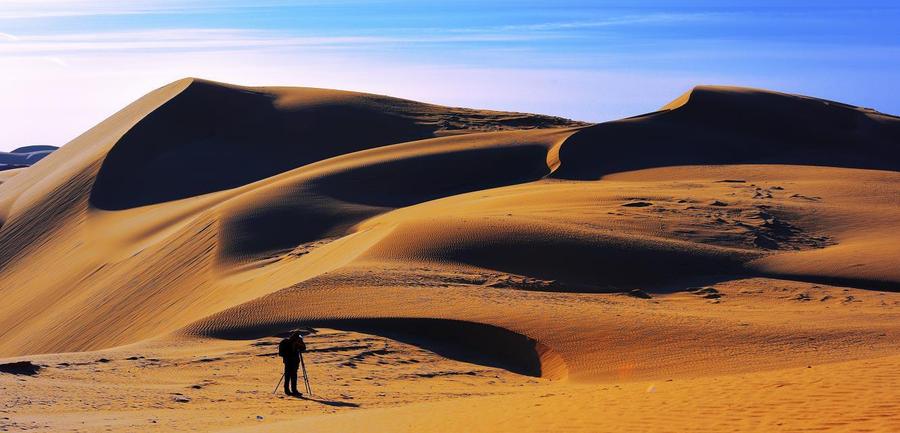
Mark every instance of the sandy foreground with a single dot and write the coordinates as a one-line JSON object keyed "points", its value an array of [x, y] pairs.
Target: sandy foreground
{"points": [[729, 263], [364, 382]]}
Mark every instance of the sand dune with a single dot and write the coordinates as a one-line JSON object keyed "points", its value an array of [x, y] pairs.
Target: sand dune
{"points": [[726, 125], [211, 137], [734, 232], [23, 156]]}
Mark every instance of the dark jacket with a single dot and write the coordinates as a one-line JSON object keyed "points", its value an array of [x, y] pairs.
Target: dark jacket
{"points": [[289, 353]]}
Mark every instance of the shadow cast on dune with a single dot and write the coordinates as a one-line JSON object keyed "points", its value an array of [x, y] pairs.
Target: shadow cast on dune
{"points": [[417, 179], [870, 283], [585, 260], [330, 205], [285, 221], [471, 342]]}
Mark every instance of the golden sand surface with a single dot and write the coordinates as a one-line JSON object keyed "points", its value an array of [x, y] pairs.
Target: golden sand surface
{"points": [[728, 263]]}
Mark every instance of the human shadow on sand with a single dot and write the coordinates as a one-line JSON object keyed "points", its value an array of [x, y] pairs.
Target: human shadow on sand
{"points": [[328, 402]]}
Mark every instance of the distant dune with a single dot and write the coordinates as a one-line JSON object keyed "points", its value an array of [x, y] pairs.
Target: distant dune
{"points": [[24, 156], [734, 232]]}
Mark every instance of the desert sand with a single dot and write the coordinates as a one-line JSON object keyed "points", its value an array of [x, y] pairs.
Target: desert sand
{"points": [[730, 262]]}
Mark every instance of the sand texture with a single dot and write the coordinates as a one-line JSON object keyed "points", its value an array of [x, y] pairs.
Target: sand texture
{"points": [[730, 262]]}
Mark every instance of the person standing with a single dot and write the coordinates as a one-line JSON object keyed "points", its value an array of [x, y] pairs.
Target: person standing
{"points": [[289, 350]]}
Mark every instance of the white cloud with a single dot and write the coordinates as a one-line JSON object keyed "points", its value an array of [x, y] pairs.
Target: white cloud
{"points": [[181, 39]]}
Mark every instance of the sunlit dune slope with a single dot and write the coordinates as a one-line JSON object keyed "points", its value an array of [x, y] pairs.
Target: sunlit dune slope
{"points": [[8, 174], [131, 260], [229, 212]]}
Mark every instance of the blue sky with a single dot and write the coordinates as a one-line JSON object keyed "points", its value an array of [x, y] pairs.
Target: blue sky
{"points": [[67, 64]]}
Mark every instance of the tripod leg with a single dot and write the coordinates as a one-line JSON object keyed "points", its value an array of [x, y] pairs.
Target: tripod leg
{"points": [[279, 384], [305, 377]]}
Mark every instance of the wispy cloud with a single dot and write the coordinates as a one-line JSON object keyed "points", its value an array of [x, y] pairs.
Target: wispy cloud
{"points": [[219, 39], [614, 21], [243, 38], [180, 39], [28, 9], [36, 9]]}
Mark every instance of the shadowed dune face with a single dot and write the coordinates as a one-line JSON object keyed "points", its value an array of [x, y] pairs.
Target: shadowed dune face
{"points": [[327, 200], [330, 205], [211, 137], [723, 125], [475, 343], [417, 179], [583, 259], [466, 341]]}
